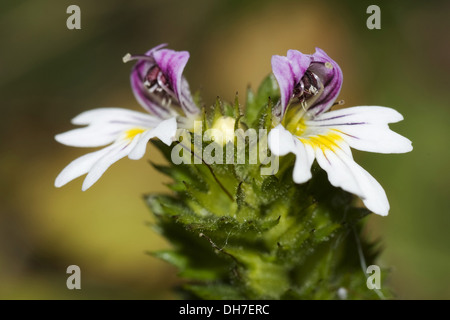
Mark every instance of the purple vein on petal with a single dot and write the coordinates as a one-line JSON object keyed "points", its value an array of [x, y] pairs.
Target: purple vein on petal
{"points": [[335, 117], [337, 124]]}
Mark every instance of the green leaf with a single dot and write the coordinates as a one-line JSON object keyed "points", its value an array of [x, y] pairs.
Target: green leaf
{"points": [[256, 103]]}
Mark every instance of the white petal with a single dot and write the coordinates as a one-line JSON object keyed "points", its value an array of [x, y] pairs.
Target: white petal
{"points": [[105, 126], [345, 173], [374, 138], [364, 128], [91, 136], [304, 159], [165, 131], [367, 114], [281, 141], [375, 199], [80, 166], [339, 174], [115, 115], [119, 151]]}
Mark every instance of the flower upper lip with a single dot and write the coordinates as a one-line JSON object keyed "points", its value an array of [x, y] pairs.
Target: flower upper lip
{"points": [[315, 80], [158, 84]]}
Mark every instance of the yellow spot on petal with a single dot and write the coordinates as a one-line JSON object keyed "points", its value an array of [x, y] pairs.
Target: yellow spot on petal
{"points": [[328, 65], [327, 141], [131, 133]]}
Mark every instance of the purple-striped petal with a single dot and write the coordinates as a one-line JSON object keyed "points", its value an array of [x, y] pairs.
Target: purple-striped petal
{"points": [[140, 91], [299, 63], [288, 71], [158, 84], [314, 80], [331, 76], [282, 71], [172, 64]]}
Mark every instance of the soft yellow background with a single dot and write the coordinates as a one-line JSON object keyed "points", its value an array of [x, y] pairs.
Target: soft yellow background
{"points": [[49, 74]]}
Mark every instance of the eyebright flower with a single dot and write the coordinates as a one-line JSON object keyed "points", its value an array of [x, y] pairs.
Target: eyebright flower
{"points": [[309, 86], [158, 85]]}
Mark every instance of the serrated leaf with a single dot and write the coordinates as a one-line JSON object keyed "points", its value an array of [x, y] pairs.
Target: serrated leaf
{"points": [[256, 103]]}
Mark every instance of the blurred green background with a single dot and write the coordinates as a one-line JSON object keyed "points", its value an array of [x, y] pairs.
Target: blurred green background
{"points": [[49, 74]]}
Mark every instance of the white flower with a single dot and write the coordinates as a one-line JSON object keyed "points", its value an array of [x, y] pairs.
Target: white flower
{"points": [[128, 131], [158, 85], [310, 132]]}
